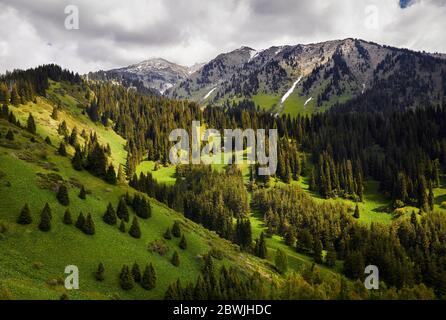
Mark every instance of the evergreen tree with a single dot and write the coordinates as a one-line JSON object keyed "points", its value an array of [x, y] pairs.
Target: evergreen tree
{"points": [[99, 274], [423, 200], [82, 193], [15, 98], [109, 216], [31, 125], [126, 279], [62, 150], [10, 135], [110, 176], [183, 243], [121, 175], [134, 230], [122, 226], [25, 216], [4, 94], [175, 259], [281, 261], [431, 197], [260, 248], [317, 250], [176, 230], [67, 217], [356, 215], [48, 141], [77, 160], [167, 235], [148, 280], [136, 273], [89, 227], [80, 222], [45, 219], [330, 257], [122, 211], [62, 195]]}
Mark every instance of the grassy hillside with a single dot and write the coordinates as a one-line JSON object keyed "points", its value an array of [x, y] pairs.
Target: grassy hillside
{"points": [[32, 262]]}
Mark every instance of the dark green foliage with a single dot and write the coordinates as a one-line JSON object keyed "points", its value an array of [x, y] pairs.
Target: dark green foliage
{"points": [[134, 230], [126, 280], [64, 296], [260, 249], [96, 162], [77, 160], [356, 215], [148, 279], [9, 135], [317, 250], [109, 216], [99, 274], [80, 222], [122, 226], [110, 176], [45, 219], [176, 229], [136, 273], [62, 151], [48, 141], [25, 216], [62, 195], [330, 257], [175, 259], [31, 125], [122, 210], [183, 243], [141, 206], [281, 261], [243, 233], [89, 227], [167, 235], [67, 217], [15, 98], [82, 193]]}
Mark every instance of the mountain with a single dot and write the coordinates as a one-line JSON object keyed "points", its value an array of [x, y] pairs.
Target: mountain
{"points": [[156, 74]]}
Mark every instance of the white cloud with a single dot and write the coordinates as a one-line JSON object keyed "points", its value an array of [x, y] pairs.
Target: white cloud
{"points": [[116, 33]]}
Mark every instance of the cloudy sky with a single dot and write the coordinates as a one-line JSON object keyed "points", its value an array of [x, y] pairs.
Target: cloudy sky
{"points": [[116, 33]]}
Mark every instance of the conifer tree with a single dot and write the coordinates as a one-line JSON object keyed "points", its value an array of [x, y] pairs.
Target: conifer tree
{"points": [[121, 175], [4, 94], [175, 259], [176, 230], [167, 235], [356, 215], [82, 193], [122, 211], [67, 217], [110, 176], [136, 273], [62, 195], [62, 150], [77, 160], [15, 98], [89, 227], [122, 226], [80, 222], [134, 230], [109, 216], [99, 274], [281, 261], [25, 216], [148, 279], [31, 125], [10, 135], [48, 141], [317, 250], [126, 279], [260, 247], [183, 243], [431, 197], [45, 219]]}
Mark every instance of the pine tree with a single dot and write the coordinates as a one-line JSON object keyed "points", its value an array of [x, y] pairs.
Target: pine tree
{"points": [[89, 227], [25, 216], [121, 175], [4, 94], [134, 230], [62, 150], [183, 243], [431, 197], [176, 230], [77, 160], [15, 98], [175, 259], [99, 274], [67, 217], [260, 248], [423, 200], [31, 125], [62, 195], [167, 235], [55, 113], [148, 280], [80, 222], [122, 226], [126, 279], [317, 250], [281, 261], [122, 211], [48, 141], [110, 176], [109, 216], [356, 215], [10, 135], [136, 273], [330, 257], [45, 219], [82, 193]]}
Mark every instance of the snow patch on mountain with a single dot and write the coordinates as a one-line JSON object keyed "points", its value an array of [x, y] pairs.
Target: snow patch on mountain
{"points": [[209, 93], [308, 101], [290, 91]]}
